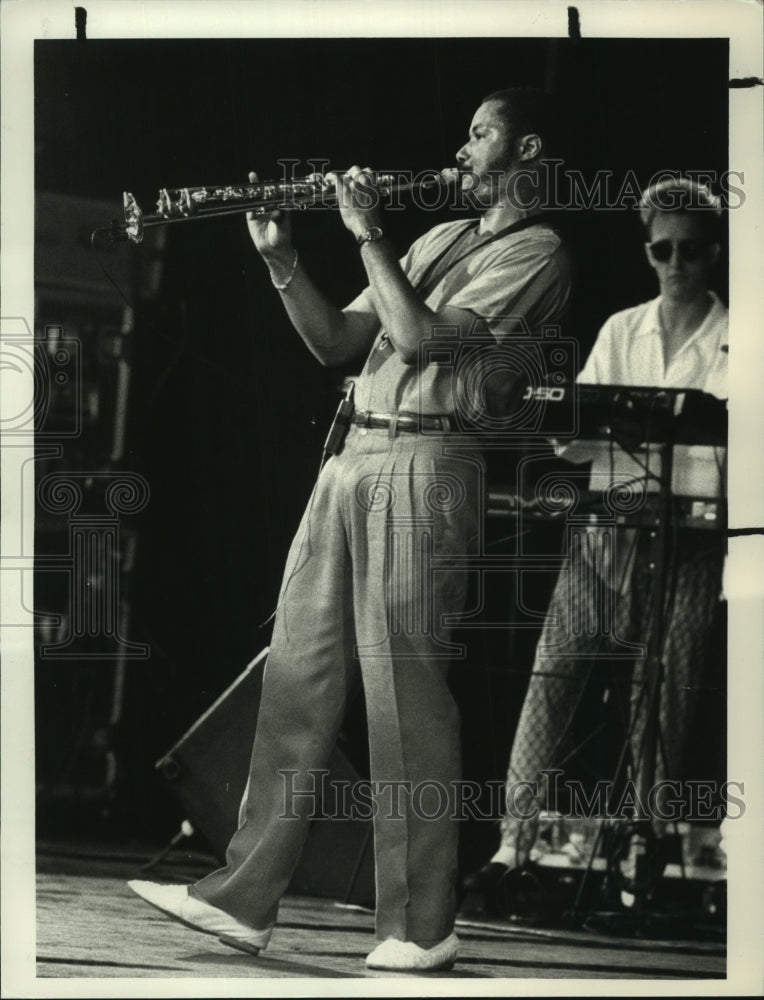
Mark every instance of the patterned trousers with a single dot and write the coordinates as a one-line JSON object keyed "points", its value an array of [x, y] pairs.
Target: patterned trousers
{"points": [[590, 619]]}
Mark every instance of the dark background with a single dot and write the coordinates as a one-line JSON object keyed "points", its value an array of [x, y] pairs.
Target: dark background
{"points": [[228, 410]]}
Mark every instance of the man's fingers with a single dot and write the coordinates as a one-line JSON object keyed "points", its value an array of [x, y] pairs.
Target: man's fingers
{"points": [[361, 176], [252, 179]]}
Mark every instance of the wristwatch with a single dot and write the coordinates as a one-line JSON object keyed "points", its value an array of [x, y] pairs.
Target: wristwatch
{"points": [[369, 235]]}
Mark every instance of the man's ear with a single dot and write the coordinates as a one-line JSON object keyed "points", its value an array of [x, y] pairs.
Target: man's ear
{"points": [[529, 146], [650, 260]]}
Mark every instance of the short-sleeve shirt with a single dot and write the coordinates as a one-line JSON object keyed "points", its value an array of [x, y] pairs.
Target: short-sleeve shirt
{"points": [[513, 285], [629, 351]]}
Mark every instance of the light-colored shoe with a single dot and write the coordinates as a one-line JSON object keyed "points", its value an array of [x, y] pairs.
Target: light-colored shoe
{"points": [[175, 901], [405, 956]]}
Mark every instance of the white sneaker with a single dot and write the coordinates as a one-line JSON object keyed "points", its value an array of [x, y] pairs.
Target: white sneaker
{"points": [[405, 956], [175, 901]]}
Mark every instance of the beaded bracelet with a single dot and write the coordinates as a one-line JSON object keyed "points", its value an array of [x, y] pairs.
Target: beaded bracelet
{"points": [[283, 287]]}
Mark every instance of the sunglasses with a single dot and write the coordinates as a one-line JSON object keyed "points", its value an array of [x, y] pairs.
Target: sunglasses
{"points": [[689, 250]]}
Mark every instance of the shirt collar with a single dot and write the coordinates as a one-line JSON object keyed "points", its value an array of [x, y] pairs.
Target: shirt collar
{"points": [[651, 320], [651, 323]]}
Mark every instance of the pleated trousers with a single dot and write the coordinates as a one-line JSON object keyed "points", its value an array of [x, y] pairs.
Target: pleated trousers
{"points": [[372, 574]]}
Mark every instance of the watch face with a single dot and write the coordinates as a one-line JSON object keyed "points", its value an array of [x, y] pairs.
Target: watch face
{"points": [[371, 234]]}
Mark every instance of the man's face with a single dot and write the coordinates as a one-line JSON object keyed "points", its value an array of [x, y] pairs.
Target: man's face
{"points": [[681, 255], [487, 155]]}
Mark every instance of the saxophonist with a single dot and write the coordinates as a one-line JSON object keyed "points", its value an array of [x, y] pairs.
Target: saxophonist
{"points": [[354, 604]]}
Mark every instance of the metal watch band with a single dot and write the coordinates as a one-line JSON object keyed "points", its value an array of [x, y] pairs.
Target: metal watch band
{"points": [[369, 235]]}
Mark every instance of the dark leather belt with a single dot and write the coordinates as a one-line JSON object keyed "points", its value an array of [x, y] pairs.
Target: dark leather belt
{"points": [[412, 423]]}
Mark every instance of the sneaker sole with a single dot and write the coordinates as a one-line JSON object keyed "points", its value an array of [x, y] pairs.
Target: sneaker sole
{"points": [[391, 968], [232, 942]]}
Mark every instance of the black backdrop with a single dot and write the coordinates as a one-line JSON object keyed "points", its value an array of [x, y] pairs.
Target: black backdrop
{"points": [[228, 409]]}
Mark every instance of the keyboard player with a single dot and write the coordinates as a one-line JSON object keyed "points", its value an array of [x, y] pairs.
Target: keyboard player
{"points": [[677, 340]]}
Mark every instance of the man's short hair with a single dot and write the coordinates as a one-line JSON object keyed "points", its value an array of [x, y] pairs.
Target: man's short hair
{"points": [[529, 111], [680, 194]]}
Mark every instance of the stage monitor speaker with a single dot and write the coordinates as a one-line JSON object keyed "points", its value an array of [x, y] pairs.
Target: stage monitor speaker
{"points": [[207, 771]]}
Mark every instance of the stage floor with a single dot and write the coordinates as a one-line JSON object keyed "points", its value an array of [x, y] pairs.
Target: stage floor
{"points": [[89, 924]]}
